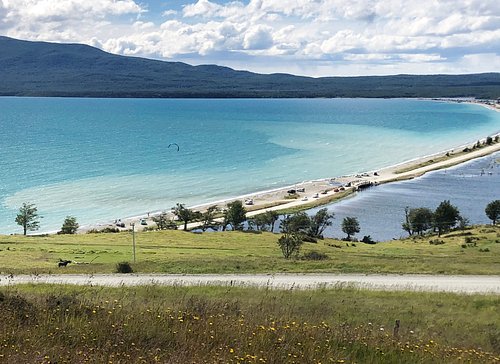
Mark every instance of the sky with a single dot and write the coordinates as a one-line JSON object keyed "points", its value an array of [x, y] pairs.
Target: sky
{"points": [[304, 37]]}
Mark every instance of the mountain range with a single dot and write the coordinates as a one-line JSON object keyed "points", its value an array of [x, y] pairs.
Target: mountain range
{"points": [[76, 70]]}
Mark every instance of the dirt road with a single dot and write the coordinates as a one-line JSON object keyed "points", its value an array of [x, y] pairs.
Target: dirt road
{"points": [[388, 282]]}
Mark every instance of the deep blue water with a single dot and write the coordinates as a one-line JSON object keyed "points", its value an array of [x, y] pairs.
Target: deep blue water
{"points": [[101, 159]]}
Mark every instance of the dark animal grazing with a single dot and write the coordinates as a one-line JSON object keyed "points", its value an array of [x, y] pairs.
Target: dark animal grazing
{"points": [[63, 263]]}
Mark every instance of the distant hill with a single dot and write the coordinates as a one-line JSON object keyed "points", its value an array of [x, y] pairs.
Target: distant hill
{"points": [[52, 69]]}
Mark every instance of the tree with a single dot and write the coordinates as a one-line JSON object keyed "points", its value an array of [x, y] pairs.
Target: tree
{"points": [[290, 244], [235, 215], [28, 217], [163, 222], [69, 226], [208, 218], [298, 223], [319, 222], [420, 220], [445, 217], [184, 214], [350, 226], [492, 210], [270, 217]]}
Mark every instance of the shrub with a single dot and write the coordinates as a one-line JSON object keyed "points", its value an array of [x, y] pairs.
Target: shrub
{"points": [[367, 239], [485, 250], [104, 231], [314, 255], [436, 242], [124, 267]]}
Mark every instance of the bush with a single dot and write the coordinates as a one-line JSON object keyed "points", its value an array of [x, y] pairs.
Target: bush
{"points": [[367, 239], [485, 250], [104, 231], [314, 255], [436, 242], [124, 267]]}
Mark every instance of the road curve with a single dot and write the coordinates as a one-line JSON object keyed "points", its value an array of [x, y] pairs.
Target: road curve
{"points": [[387, 282]]}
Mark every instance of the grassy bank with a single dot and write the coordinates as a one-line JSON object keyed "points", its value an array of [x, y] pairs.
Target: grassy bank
{"points": [[47, 324], [228, 252]]}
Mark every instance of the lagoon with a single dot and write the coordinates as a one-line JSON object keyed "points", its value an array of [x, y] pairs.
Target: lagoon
{"points": [[102, 159]]}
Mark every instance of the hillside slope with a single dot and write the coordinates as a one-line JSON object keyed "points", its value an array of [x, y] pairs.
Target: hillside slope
{"points": [[53, 69]]}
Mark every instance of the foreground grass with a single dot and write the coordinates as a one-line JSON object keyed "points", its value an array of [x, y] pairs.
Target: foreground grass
{"points": [[48, 324], [230, 252]]}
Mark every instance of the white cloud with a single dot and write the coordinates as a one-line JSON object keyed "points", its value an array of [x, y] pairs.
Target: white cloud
{"points": [[307, 36], [258, 37]]}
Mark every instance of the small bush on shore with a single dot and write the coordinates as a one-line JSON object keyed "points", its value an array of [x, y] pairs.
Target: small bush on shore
{"points": [[124, 267]]}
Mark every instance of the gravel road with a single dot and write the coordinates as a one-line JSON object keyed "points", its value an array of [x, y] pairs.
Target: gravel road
{"points": [[387, 282]]}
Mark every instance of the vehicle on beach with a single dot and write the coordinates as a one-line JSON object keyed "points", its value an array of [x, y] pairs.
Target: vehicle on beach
{"points": [[315, 195], [248, 201], [291, 192], [144, 222], [305, 199], [343, 188], [302, 189], [324, 192]]}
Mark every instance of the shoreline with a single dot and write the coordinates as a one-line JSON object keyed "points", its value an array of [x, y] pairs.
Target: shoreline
{"points": [[320, 192], [324, 191]]}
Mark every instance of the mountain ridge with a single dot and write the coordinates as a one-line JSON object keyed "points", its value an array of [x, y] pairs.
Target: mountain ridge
{"points": [[78, 70]]}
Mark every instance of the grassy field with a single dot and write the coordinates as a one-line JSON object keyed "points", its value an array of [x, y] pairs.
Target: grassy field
{"points": [[229, 252], [47, 324]]}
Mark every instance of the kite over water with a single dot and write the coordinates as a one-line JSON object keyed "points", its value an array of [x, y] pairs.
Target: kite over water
{"points": [[177, 145]]}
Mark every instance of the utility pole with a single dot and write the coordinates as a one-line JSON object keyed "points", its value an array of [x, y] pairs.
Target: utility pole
{"points": [[133, 237]]}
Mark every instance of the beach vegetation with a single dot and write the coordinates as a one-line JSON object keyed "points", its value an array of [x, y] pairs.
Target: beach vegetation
{"points": [[235, 215], [290, 244], [28, 217], [445, 217], [208, 218], [315, 255], [492, 210], [184, 214], [163, 222], [69, 226], [350, 226]]}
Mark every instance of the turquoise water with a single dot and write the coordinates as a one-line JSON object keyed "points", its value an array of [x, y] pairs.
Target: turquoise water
{"points": [[102, 159]]}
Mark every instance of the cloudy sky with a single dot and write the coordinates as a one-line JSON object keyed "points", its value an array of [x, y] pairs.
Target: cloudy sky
{"points": [[306, 37]]}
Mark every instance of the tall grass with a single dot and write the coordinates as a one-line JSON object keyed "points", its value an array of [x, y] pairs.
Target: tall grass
{"points": [[47, 324]]}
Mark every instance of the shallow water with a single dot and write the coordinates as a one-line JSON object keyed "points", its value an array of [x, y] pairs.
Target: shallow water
{"points": [[381, 209], [102, 159]]}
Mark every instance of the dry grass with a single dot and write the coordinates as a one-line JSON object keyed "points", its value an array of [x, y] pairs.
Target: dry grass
{"points": [[47, 324]]}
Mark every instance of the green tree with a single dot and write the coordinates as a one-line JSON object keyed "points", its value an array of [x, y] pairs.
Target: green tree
{"points": [[270, 217], [235, 215], [184, 214], [319, 222], [420, 219], [69, 226], [163, 222], [445, 217], [492, 210], [350, 226], [290, 244], [208, 218], [298, 223], [28, 217]]}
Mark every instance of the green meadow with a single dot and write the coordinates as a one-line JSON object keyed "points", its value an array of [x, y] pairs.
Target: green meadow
{"points": [[471, 251]]}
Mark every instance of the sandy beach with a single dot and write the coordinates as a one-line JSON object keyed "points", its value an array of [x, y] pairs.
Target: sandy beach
{"points": [[321, 192]]}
